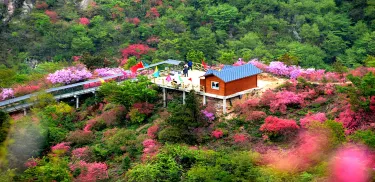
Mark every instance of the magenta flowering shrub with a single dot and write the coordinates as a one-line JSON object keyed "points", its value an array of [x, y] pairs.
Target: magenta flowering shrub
{"points": [[293, 72], [64, 147], [283, 99], [90, 172], [31, 163], [6, 93], [150, 149], [218, 133], [84, 21], [351, 163], [274, 125], [70, 75], [210, 116], [305, 121], [81, 153], [103, 72], [239, 138], [151, 132]]}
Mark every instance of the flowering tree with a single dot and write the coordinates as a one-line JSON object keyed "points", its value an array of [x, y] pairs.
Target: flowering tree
{"points": [[134, 21], [283, 99], [152, 13], [70, 75], [135, 50], [274, 125], [52, 15]]}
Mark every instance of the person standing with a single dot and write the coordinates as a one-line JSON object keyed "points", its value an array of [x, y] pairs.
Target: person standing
{"points": [[185, 71], [190, 64]]}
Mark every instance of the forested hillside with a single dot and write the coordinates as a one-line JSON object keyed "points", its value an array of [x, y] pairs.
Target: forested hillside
{"points": [[312, 33]]}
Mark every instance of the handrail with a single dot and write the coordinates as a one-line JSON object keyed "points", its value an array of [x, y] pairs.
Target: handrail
{"points": [[25, 97]]}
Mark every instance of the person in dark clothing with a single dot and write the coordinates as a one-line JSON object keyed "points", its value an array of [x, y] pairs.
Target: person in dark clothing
{"points": [[185, 71], [190, 64]]}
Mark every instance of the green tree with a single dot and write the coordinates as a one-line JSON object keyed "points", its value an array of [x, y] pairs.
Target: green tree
{"points": [[195, 56], [227, 57], [129, 92], [310, 33], [223, 14], [361, 91], [334, 45], [370, 61]]}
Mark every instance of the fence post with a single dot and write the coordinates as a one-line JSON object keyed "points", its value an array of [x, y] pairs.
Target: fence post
{"points": [[164, 98]]}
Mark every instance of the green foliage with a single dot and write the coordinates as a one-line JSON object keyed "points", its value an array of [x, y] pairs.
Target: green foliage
{"points": [[184, 119], [136, 117], [227, 57], [51, 168], [4, 126], [7, 77], [370, 61], [92, 61], [122, 138], [366, 137], [360, 91], [129, 92], [222, 14], [195, 56], [42, 99], [178, 163]]}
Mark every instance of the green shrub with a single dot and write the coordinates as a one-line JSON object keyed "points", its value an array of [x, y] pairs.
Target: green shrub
{"points": [[366, 137], [56, 135], [80, 137], [4, 126], [123, 138], [170, 134]]}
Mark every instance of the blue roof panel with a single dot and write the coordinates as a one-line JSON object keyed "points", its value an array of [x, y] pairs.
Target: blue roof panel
{"points": [[235, 72]]}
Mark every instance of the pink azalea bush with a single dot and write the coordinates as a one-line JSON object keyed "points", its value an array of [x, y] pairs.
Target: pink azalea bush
{"points": [[310, 147], [274, 125], [210, 116], [31, 163], [20, 90], [81, 153], [6, 93], [64, 146], [103, 72], [351, 164], [151, 132], [150, 149], [70, 75], [321, 117], [284, 98], [239, 138], [84, 21], [218, 133], [293, 72], [90, 172]]}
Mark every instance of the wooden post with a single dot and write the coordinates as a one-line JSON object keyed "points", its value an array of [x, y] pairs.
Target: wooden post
{"points": [[183, 97], [204, 100], [224, 106], [24, 111], [164, 98]]}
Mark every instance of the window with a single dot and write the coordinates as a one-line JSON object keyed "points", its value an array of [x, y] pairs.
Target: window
{"points": [[215, 85]]}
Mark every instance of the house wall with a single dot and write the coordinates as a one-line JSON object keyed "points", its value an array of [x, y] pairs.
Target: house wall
{"points": [[208, 88], [203, 83], [241, 85]]}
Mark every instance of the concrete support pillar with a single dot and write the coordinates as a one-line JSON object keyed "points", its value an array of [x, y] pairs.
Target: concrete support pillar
{"points": [[77, 101], [164, 98], [224, 106], [204, 100], [24, 111], [183, 97]]}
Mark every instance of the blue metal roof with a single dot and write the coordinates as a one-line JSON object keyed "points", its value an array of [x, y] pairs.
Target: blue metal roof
{"points": [[234, 72]]}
